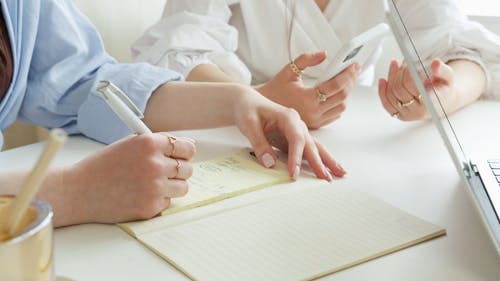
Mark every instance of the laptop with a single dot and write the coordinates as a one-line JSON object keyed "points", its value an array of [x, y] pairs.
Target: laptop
{"points": [[481, 175]]}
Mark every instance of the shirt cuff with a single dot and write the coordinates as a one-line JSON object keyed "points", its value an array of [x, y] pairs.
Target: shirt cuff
{"points": [[138, 81]]}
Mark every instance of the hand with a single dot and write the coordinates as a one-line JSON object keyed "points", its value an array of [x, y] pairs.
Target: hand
{"points": [[399, 94], [287, 89], [131, 179], [259, 119]]}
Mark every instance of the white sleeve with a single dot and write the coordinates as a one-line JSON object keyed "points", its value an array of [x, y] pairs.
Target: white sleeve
{"points": [[193, 32], [440, 30]]}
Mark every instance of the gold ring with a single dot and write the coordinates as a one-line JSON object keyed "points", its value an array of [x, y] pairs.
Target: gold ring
{"points": [[395, 114], [419, 98], [406, 104], [177, 168], [321, 96], [295, 68], [172, 141]]}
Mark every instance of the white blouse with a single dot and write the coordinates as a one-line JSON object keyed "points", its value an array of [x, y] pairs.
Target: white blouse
{"points": [[248, 39]]}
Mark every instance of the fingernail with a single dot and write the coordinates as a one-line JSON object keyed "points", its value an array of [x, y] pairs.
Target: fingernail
{"points": [[268, 160], [329, 175], [296, 173]]}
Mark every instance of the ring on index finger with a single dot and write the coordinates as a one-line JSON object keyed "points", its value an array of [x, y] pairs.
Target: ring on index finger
{"points": [[172, 141], [295, 68]]}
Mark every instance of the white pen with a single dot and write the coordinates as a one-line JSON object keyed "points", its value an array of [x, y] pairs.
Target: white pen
{"points": [[123, 107]]}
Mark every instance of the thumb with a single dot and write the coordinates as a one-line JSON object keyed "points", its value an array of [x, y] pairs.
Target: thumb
{"points": [[310, 59], [441, 72]]}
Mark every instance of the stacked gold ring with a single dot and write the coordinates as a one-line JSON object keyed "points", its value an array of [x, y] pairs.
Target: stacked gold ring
{"points": [[295, 68]]}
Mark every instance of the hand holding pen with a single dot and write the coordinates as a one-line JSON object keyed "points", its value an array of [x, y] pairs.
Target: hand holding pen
{"points": [[134, 178]]}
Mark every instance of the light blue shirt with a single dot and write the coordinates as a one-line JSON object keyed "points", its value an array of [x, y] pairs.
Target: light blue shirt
{"points": [[58, 60]]}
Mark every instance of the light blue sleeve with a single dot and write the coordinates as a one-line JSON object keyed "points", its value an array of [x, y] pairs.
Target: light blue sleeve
{"points": [[68, 62]]}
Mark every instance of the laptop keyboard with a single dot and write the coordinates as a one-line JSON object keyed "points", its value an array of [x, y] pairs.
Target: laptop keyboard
{"points": [[495, 167]]}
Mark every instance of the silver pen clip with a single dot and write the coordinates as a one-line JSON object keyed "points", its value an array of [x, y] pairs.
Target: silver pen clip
{"points": [[106, 85]]}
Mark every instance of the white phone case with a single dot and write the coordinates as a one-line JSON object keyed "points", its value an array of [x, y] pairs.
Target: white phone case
{"points": [[358, 49]]}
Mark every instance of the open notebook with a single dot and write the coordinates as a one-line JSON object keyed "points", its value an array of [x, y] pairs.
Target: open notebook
{"points": [[302, 235]]}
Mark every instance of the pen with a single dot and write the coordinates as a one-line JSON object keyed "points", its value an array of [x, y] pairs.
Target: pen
{"points": [[123, 107]]}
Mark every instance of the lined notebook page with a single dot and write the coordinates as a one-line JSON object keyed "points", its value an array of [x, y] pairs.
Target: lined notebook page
{"points": [[225, 177], [299, 236]]}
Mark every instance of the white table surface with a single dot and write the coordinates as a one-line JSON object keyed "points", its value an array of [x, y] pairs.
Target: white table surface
{"points": [[405, 164]]}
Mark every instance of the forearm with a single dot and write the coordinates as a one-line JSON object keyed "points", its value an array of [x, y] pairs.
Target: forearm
{"points": [[212, 73], [469, 83], [193, 105], [52, 191]]}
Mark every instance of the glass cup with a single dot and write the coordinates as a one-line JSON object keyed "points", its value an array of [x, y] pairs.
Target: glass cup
{"points": [[28, 256]]}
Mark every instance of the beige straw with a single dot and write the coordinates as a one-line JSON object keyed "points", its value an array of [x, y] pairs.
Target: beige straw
{"points": [[19, 206]]}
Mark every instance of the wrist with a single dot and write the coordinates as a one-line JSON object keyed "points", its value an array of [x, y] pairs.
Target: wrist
{"points": [[246, 101], [239, 95], [62, 191], [263, 89]]}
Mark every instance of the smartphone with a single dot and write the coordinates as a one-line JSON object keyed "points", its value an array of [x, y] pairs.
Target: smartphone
{"points": [[358, 49]]}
